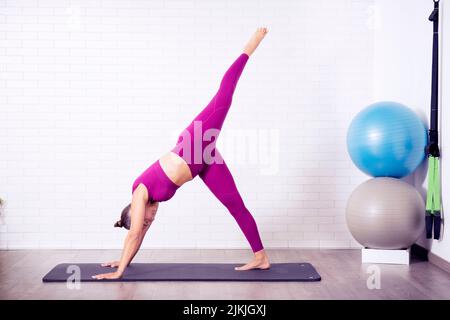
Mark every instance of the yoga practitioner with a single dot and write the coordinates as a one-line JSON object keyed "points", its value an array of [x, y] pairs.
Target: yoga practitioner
{"points": [[194, 154]]}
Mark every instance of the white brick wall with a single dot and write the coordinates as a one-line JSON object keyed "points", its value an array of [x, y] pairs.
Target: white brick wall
{"points": [[92, 92]]}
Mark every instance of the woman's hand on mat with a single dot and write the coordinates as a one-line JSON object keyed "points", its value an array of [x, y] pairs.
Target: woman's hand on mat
{"points": [[111, 275], [112, 264]]}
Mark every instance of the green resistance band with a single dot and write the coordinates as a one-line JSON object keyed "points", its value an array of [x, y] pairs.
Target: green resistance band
{"points": [[434, 187]]}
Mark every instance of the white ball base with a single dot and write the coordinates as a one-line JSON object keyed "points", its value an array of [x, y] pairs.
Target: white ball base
{"points": [[385, 256]]}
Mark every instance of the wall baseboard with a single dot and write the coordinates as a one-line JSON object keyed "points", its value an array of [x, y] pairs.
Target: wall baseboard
{"points": [[439, 262], [424, 254]]}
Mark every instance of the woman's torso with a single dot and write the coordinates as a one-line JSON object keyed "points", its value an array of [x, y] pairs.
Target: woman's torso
{"points": [[164, 177], [175, 168]]}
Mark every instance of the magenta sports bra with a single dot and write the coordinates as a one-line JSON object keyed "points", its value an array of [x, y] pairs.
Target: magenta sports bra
{"points": [[159, 186]]}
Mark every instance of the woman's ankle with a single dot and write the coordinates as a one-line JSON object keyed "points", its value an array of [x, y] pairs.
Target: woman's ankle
{"points": [[260, 255]]}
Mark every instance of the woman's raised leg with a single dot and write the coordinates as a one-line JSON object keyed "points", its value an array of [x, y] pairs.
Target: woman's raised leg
{"points": [[191, 142]]}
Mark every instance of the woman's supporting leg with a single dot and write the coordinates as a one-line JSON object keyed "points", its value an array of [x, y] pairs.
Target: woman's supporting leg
{"points": [[219, 180]]}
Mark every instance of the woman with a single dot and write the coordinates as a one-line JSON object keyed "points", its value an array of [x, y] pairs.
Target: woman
{"points": [[195, 154]]}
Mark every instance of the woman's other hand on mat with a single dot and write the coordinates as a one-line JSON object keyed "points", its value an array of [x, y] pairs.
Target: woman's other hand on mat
{"points": [[111, 275], [112, 264]]}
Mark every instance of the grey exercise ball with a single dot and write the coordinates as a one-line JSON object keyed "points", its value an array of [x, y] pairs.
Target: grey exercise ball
{"points": [[385, 213]]}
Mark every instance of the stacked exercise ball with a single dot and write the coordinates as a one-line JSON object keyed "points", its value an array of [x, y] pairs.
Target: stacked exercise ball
{"points": [[386, 140]]}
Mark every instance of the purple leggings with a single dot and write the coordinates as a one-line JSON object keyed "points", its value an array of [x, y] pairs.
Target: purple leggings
{"points": [[196, 145]]}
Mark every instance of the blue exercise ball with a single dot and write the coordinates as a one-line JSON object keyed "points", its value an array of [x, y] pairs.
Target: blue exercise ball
{"points": [[387, 139]]}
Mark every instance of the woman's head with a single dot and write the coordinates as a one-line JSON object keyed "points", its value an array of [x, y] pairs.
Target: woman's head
{"points": [[125, 218], [149, 216]]}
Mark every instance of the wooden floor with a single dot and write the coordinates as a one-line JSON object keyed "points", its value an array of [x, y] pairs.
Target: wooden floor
{"points": [[343, 277]]}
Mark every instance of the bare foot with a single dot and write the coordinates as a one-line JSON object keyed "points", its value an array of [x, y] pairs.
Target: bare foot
{"points": [[255, 40], [260, 261]]}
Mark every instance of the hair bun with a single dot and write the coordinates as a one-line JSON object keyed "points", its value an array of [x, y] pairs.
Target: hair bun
{"points": [[118, 224]]}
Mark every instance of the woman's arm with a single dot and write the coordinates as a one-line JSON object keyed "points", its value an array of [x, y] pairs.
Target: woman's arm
{"points": [[136, 234], [141, 238], [115, 264]]}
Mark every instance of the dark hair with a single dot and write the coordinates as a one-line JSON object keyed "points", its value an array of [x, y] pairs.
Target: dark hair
{"points": [[125, 219]]}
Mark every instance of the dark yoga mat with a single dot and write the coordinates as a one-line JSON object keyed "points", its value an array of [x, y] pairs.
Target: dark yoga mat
{"points": [[186, 272]]}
